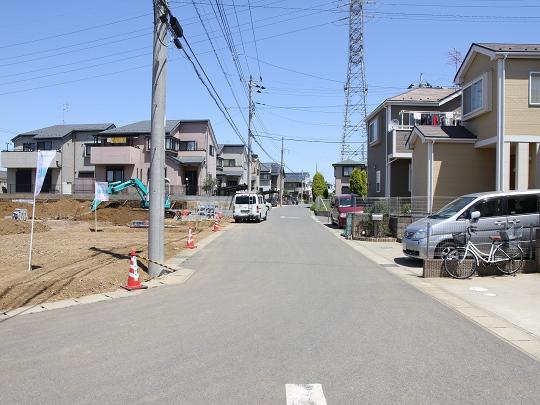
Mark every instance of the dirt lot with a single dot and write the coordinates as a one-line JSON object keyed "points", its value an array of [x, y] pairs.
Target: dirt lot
{"points": [[69, 259]]}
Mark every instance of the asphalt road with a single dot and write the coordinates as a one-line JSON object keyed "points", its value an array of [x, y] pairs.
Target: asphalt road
{"points": [[270, 304]]}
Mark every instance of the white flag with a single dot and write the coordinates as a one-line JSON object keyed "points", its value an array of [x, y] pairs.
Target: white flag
{"points": [[44, 159], [102, 191]]}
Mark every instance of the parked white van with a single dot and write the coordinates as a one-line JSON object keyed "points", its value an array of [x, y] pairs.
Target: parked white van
{"points": [[430, 236], [249, 207]]}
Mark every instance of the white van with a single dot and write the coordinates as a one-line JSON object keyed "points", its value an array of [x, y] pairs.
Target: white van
{"points": [[249, 206]]}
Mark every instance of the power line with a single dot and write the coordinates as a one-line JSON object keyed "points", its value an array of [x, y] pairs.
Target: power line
{"points": [[254, 38]]}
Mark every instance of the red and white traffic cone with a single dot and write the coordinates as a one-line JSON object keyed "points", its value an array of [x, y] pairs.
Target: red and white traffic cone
{"points": [[190, 241], [133, 282], [215, 228]]}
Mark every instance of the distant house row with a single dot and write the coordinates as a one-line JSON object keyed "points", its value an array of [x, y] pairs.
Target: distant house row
{"points": [[104, 152], [482, 135]]}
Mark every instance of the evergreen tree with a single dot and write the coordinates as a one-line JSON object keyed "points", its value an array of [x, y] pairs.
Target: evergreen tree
{"points": [[358, 183], [318, 187]]}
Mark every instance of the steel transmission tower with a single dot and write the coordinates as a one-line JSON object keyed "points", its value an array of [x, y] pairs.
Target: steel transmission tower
{"points": [[354, 128]]}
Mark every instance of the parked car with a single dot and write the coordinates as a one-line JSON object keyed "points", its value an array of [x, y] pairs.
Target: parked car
{"points": [[249, 207], [343, 204], [498, 210]]}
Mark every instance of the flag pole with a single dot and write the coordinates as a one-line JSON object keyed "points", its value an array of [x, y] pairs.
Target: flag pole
{"points": [[95, 220], [32, 234]]}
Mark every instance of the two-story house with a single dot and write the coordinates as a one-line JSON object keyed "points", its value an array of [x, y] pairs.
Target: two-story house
{"points": [[295, 185], [389, 158], [190, 147], [498, 146], [232, 165], [265, 177], [71, 169], [342, 174]]}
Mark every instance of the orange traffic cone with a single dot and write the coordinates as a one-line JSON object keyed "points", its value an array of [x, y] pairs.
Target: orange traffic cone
{"points": [[215, 228], [133, 282], [190, 241]]}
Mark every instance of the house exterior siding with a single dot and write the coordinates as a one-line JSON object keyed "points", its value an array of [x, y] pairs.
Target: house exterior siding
{"points": [[420, 162], [377, 154]]}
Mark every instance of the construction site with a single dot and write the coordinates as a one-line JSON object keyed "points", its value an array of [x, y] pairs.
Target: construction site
{"points": [[71, 258]]}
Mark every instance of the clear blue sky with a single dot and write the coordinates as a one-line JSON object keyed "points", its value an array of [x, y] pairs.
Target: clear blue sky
{"points": [[96, 57]]}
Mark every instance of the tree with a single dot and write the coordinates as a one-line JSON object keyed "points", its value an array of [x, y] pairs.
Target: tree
{"points": [[318, 187], [209, 184], [358, 183]]}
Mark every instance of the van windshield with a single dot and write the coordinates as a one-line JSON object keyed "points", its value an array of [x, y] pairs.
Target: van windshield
{"points": [[244, 199], [452, 208], [345, 201]]}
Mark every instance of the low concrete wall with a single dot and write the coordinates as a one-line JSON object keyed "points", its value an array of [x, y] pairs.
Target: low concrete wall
{"points": [[434, 268], [398, 224]]}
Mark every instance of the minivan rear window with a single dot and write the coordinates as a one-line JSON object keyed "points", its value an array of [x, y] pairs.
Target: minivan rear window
{"points": [[244, 199], [523, 204]]}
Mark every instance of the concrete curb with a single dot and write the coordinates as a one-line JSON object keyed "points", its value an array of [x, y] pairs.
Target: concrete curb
{"points": [[180, 276], [521, 339]]}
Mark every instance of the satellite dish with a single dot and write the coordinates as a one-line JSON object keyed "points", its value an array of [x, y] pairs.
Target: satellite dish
{"points": [[394, 124]]}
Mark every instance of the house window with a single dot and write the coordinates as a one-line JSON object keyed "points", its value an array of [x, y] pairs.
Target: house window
{"points": [[229, 162], [86, 175], [171, 144], [28, 147], [44, 145], [188, 145], [114, 174], [347, 171], [374, 130], [475, 96], [148, 144], [345, 190], [211, 150], [534, 88], [87, 149], [378, 181]]}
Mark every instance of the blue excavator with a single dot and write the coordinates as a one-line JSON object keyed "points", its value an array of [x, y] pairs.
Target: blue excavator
{"points": [[117, 186]]}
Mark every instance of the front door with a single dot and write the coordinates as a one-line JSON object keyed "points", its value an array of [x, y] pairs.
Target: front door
{"points": [[23, 181], [191, 182]]}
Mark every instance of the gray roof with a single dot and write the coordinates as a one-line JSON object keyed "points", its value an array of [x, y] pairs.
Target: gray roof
{"points": [[60, 131], [188, 160], [349, 162], [266, 167], [296, 177], [424, 94], [497, 47], [445, 132], [141, 127]]}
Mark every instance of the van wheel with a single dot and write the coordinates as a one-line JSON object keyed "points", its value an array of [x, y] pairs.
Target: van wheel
{"points": [[258, 219], [266, 216], [236, 220], [443, 247]]}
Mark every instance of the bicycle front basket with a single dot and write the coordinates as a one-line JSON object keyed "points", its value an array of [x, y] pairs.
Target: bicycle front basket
{"points": [[460, 238]]}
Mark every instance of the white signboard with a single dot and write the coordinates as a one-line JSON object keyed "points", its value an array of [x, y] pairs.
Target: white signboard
{"points": [[44, 159], [102, 191]]}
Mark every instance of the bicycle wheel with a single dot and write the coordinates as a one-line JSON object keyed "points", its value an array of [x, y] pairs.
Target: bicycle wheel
{"points": [[459, 263], [508, 258]]}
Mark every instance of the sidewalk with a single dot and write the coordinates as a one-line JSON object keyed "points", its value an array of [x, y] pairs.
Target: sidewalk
{"points": [[508, 306]]}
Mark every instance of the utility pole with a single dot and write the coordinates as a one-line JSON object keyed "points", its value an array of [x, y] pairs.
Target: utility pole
{"points": [[250, 115], [281, 176], [156, 224]]}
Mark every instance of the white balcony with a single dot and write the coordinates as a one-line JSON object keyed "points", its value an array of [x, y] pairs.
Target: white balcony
{"points": [[25, 160]]}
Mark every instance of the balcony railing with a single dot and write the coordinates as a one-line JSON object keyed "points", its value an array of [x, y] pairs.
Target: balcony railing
{"points": [[18, 159], [115, 155], [408, 119]]}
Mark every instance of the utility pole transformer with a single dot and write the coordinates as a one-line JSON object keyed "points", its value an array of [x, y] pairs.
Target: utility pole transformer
{"points": [[156, 224], [354, 127]]}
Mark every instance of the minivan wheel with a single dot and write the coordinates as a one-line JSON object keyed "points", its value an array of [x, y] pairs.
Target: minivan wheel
{"points": [[258, 219], [443, 248]]}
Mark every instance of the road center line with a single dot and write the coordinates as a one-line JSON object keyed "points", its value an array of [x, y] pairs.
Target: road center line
{"points": [[304, 394]]}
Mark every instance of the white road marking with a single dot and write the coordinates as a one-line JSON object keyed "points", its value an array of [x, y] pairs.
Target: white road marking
{"points": [[304, 394], [284, 217], [490, 294], [479, 289]]}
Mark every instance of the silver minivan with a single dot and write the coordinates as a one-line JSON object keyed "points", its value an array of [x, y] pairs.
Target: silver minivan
{"points": [[430, 236]]}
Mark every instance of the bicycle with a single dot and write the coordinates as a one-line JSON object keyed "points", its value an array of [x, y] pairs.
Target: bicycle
{"points": [[462, 261]]}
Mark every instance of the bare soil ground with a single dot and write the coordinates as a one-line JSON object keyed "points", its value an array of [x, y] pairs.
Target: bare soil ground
{"points": [[69, 259]]}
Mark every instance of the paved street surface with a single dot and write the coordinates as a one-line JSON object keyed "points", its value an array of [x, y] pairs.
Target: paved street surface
{"points": [[270, 305]]}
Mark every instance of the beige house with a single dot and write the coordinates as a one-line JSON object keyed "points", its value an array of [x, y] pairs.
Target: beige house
{"points": [[498, 146], [342, 174], [190, 147]]}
